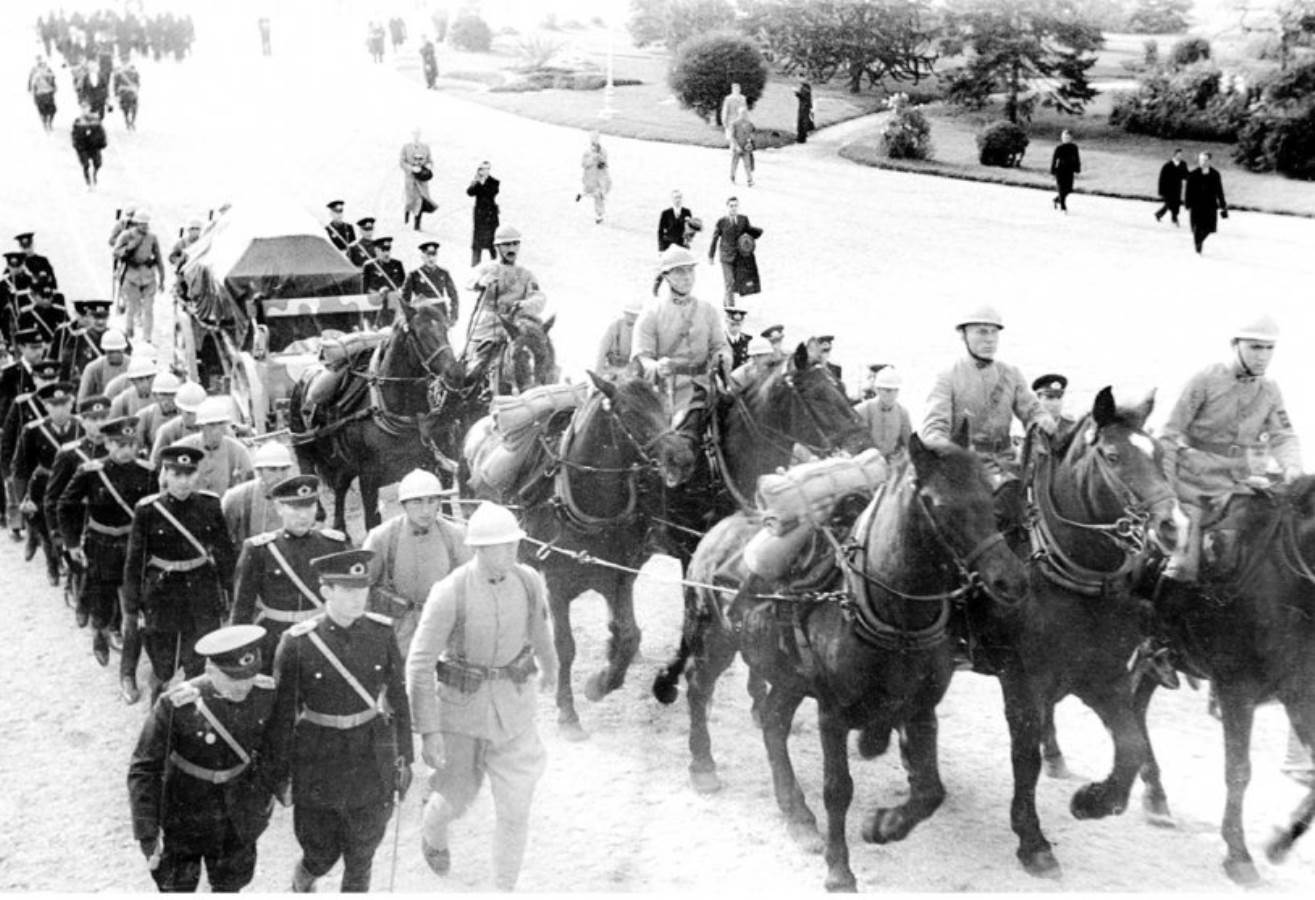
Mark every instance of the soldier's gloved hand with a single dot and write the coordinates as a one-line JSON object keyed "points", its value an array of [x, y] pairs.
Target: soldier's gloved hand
{"points": [[78, 555], [149, 846], [664, 366], [402, 778], [431, 749]]}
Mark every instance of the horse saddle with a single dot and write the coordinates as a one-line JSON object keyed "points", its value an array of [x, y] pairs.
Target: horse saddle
{"points": [[517, 472], [1221, 549], [338, 387]]}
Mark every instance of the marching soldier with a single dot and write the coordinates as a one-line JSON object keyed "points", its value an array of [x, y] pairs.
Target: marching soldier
{"points": [[38, 266], [150, 418], [248, 508], [187, 399], [431, 280], [343, 725], [26, 407], [16, 378], [140, 375], [95, 515], [480, 637], [341, 233], [179, 565], [81, 350], [198, 783], [178, 253], [46, 315], [226, 461], [70, 333], [108, 365], [15, 293], [141, 274], [92, 412], [274, 577], [361, 250], [127, 85], [37, 447], [382, 274], [413, 552]]}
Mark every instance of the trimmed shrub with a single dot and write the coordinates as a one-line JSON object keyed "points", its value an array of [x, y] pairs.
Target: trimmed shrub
{"points": [[1188, 51], [471, 33], [1002, 144], [1158, 17], [1190, 105], [705, 67], [1279, 140], [907, 134]]}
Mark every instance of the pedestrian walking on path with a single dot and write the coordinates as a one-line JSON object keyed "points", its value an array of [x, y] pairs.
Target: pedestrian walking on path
{"points": [[595, 176], [1170, 187], [1204, 199], [416, 163], [1064, 165]]}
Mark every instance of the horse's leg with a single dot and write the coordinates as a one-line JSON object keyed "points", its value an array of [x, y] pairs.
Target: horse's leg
{"points": [[713, 650], [1155, 802], [559, 603], [1301, 718], [779, 707], [368, 478], [1023, 713], [837, 792], [757, 690], [341, 486], [1112, 701], [1051, 754], [926, 791], [1238, 709], [623, 642]]}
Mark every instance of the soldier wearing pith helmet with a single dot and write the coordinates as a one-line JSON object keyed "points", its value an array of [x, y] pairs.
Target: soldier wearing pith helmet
{"points": [[199, 783], [343, 726], [248, 507], [275, 583]]}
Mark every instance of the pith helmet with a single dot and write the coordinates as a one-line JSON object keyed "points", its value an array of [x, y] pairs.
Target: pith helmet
{"points": [[492, 524], [190, 397], [887, 378], [418, 484], [675, 258], [505, 235], [982, 315], [1263, 328]]}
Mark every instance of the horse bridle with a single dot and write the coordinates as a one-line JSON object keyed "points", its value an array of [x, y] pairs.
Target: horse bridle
{"points": [[426, 360], [642, 448], [785, 441]]}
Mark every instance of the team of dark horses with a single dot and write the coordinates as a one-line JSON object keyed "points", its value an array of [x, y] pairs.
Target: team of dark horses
{"points": [[902, 587]]}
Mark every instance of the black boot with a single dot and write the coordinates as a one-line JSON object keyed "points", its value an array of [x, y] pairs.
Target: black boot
{"points": [[100, 647], [417, 223]]}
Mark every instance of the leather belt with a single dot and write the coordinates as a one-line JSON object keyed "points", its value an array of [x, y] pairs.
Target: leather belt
{"points": [[689, 368], [111, 530], [993, 446], [177, 565], [289, 616], [342, 723], [214, 776], [1234, 450]]}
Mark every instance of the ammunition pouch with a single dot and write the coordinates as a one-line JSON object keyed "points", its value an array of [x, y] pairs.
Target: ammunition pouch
{"points": [[467, 677]]}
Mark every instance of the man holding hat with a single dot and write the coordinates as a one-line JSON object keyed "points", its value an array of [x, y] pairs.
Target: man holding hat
{"points": [[341, 233], [37, 446], [507, 289], [736, 337], [431, 280], [1049, 390], [382, 274], [483, 634], [190, 235], [141, 263], [92, 413], [886, 418], [361, 250], [248, 508], [179, 566], [26, 407], [343, 728], [161, 408], [614, 348], [43, 273], [80, 345], [199, 784], [95, 515], [274, 577], [140, 375], [187, 399], [726, 234], [226, 461], [413, 552], [112, 361]]}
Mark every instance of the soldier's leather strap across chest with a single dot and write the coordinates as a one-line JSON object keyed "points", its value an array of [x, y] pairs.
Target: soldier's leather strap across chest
{"points": [[296, 579]]}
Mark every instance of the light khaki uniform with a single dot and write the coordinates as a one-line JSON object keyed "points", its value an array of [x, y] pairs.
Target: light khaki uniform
{"points": [[407, 565], [221, 468]]}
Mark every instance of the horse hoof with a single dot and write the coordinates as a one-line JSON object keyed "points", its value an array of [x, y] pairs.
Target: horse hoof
{"points": [[1041, 864], [841, 882], [1057, 768], [806, 836], [883, 827], [1092, 801], [595, 688], [1242, 872], [1157, 812], [572, 731], [704, 781], [665, 690]]}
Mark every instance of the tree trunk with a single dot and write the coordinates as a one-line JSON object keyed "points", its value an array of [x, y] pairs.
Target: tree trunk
{"points": [[1014, 88], [855, 77]]}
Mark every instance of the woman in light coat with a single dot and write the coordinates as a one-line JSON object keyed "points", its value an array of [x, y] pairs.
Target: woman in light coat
{"points": [[415, 161], [595, 178]]}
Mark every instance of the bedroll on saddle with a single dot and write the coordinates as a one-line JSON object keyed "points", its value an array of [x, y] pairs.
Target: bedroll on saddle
{"points": [[503, 450], [795, 503], [519, 418]]}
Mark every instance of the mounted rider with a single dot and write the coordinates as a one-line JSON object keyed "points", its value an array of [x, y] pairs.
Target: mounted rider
{"points": [[679, 340], [1217, 427], [978, 398], [507, 290]]}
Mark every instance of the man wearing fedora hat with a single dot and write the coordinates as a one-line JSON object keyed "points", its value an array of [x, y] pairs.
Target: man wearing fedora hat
{"points": [[739, 268], [95, 514], [112, 362], [37, 446], [432, 281], [226, 461], [198, 785], [273, 586], [249, 509], [179, 566], [341, 233], [482, 636], [187, 400], [413, 551], [343, 728], [614, 347]]}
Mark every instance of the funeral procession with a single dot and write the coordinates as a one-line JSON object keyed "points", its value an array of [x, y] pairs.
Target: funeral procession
{"points": [[412, 411]]}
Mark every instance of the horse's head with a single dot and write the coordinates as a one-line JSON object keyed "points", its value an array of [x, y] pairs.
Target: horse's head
{"points": [[804, 403], [427, 324], [644, 421], [1130, 483], [953, 489]]}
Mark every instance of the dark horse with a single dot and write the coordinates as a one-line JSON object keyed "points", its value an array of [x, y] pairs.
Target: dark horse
{"points": [[387, 431], [1097, 496], [1250, 628], [605, 472], [880, 657]]}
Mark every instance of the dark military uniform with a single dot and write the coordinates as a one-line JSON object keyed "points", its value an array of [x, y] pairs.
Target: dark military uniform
{"points": [[46, 320], [188, 783], [739, 349], [341, 749], [37, 447], [361, 250], [382, 275], [275, 587], [79, 351], [342, 234], [435, 282], [65, 337], [25, 409], [179, 588], [43, 273], [15, 293]]}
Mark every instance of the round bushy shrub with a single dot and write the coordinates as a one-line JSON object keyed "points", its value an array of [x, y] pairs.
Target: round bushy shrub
{"points": [[1189, 50], [1002, 144], [706, 66], [907, 134], [472, 33]]}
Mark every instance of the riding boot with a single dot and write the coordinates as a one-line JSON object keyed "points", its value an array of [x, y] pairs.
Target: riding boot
{"points": [[1185, 561], [417, 222]]}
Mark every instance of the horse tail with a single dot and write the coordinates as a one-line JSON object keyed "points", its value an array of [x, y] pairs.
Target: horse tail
{"points": [[666, 683]]}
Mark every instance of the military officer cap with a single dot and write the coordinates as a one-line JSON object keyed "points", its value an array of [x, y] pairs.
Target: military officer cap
{"points": [[234, 650], [350, 568], [367, 223], [824, 341], [299, 490], [29, 336], [95, 407], [15, 257], [24, 239], [58, 392], [123, 428], [427, 246], [46, 368], [736, 314], [774, 332], [92, 307], [384, 243], [1050, 384], [181, 459], [335, 205], [874, 368]]}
